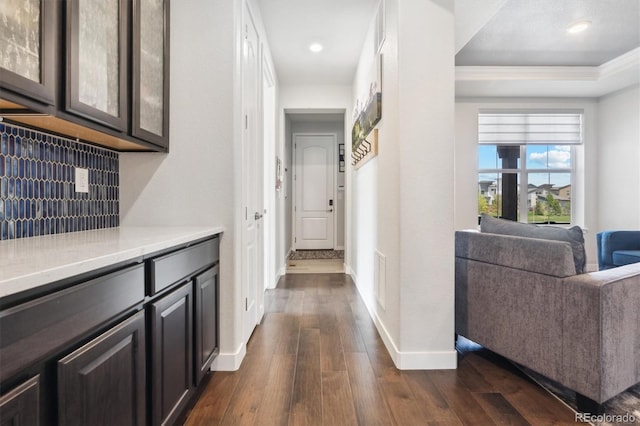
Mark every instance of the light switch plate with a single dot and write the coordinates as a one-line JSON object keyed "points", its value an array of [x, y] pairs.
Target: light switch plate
{"points": [[82, 180]]}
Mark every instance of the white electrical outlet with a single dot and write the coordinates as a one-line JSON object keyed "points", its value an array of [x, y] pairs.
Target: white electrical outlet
{"points": [[82, 180]]}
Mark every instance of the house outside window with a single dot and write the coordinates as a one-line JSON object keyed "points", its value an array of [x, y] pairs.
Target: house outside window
{"points": [[526, 164]]}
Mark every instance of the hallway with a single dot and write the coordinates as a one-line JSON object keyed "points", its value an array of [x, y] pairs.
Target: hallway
{"points": [[317, 359]]}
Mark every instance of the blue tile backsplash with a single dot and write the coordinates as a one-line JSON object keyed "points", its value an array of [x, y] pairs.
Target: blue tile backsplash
{"points": [[37, 188]]}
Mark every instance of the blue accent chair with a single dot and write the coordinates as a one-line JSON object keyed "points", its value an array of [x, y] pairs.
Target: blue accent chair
{"points": [[617, 248]]}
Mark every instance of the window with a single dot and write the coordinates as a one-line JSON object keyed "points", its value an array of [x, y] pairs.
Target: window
{"points": [[526, 163]]}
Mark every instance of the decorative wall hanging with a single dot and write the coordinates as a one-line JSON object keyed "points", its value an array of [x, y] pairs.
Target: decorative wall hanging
{"points": [[341, 158], [367, 114]]}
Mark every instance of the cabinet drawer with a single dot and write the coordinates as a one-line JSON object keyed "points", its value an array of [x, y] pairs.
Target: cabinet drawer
{"points": [[173, 267], [36, 329]]}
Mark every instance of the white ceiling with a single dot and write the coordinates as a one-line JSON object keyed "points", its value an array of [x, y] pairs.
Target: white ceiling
{"points": [[339, 25], [505, 47], [533, 33], [524, 50]]}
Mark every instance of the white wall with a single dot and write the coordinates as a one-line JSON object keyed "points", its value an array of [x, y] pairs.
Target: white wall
{"points": [[585, 203], [194, 183], [310, 99], [366, 189], [619, 160], [199, 181], [402, 202]]}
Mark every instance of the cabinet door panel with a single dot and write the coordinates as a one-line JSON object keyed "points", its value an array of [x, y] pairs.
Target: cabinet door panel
{"points": [[206, 326], [103, 382], [21, 406], [151, 71], [97, 52], [27, 48], [172, 354]]}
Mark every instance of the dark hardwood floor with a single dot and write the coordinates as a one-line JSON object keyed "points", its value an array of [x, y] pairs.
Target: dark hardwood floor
{"points": [[317, 359]]}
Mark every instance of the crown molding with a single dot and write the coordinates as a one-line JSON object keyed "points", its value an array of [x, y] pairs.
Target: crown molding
{"points": [[556, 73], [480, 73], [621, 63]]}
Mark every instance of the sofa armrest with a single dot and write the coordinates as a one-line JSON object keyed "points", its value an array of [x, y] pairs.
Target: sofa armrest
{"points": [[547, 257], [601, 331]]}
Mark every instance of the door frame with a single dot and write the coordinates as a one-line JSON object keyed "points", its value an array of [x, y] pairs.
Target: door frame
{"points": [[294, 221], [269, 179]]}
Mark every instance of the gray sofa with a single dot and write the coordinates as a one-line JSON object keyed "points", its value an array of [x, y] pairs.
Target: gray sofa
{"points": [[521, 298]]}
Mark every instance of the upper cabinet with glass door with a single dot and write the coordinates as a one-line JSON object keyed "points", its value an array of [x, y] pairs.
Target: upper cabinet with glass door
{"points": [[150, 107], [97, 54], [28, 39], [96, 70]]}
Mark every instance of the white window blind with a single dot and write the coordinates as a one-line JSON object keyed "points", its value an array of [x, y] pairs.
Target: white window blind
{"points": [[530, 128]]}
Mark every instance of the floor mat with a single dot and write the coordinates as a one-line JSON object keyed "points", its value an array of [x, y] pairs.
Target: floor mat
{"points": [[316, 254]]}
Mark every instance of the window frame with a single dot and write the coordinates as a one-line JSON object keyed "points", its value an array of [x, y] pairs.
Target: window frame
{"points": [[523, 171]]}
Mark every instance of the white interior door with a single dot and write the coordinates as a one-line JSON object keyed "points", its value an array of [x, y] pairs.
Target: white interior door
{"points": [[251, 185], [315, 188]]}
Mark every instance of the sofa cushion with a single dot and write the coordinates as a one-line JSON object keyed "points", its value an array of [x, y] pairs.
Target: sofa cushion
{"points": [[571, 235], [625, 257]]}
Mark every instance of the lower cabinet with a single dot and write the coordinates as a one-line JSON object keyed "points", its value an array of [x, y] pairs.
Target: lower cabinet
{"points": [[172, 354], [60, 366], [206, 287], [103, 382], [21, 406]]}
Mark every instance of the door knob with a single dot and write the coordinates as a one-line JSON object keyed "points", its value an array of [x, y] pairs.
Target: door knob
{"points": [[329, 211], [257, 216]]}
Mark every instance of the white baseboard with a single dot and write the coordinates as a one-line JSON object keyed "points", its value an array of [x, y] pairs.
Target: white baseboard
{"points": [[229, 361], [444, 360], [279, 273], [349, 271]]}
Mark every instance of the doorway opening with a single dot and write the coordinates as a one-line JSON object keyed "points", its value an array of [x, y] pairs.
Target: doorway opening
{"points": [[315, 222]]}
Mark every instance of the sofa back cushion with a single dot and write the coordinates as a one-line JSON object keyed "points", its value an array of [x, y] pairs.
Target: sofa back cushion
{"points": [[571, 235]]}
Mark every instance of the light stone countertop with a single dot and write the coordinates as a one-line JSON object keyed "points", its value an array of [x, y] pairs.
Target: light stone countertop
{"points": [[27, 263]]}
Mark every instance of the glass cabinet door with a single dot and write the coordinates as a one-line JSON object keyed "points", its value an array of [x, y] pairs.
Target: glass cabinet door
{"points": [[27, 48], [151, 71], [97, 60]]}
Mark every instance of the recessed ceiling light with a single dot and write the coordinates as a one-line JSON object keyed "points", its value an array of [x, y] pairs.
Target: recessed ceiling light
{"points": [[316, 47], [578, 27]]}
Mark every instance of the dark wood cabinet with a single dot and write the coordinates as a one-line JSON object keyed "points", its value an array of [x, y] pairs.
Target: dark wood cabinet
{"points": [[150, 104], [96, 70], [21, 405], [206, 298], [97, 61], [172, 354], [37, 329], [28, 49], [103, 382], [125, 345]]}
